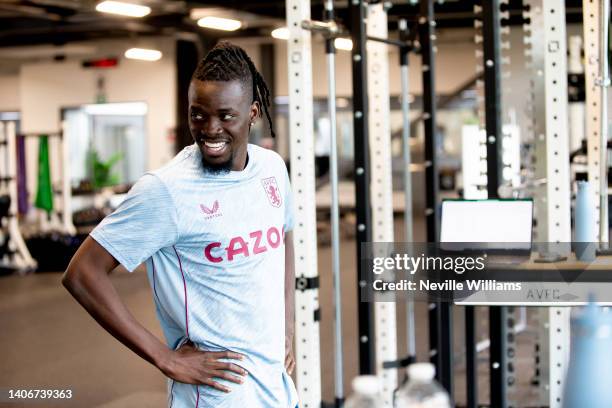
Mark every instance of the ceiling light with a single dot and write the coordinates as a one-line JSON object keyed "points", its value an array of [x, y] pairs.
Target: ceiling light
{"points": [[123, 9], [9, 116], [343, 44], [342, 102], [143, 54], [281, 33], [128, 108], [218, 23]]}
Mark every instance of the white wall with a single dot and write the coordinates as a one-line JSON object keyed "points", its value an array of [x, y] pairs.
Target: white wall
{"points": [[9, 93], [47, 87]]}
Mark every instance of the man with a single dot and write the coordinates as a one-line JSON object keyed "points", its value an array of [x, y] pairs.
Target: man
{"points": [[213, 228]]}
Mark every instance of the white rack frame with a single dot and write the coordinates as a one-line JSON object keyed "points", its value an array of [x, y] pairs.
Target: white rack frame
{"points": [[591, 27], [301, 133], [381, 187], [550, 115]]}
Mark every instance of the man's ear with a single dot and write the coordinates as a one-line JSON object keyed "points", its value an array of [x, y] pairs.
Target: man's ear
{"points": [[255, 111]]}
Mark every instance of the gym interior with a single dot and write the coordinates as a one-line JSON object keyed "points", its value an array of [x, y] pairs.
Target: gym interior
{"points": [[407, 122]]}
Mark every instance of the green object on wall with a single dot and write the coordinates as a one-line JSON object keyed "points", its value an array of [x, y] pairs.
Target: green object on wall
{"points": [[44, 193]]}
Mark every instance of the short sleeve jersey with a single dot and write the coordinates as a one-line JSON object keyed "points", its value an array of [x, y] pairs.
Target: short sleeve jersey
{"points": [[215, 257]]}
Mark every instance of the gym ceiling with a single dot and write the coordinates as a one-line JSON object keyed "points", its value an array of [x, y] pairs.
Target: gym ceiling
{"points": [[59, 22]]}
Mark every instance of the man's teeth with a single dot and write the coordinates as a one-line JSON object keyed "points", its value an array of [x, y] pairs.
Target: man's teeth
{"points": [[216, 146]]}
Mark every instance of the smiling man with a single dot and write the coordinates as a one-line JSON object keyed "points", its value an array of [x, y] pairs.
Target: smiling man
{"points": [[213, 228]]}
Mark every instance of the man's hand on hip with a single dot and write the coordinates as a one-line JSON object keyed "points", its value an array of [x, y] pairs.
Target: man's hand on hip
{"points": [[189, 365], [289, 358]]}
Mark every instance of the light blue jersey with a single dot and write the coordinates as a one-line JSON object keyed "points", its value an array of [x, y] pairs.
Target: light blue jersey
{"points": [[215, 257]]}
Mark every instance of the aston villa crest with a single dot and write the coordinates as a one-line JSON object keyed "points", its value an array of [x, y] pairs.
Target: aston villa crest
{"points": [[272, 191]]}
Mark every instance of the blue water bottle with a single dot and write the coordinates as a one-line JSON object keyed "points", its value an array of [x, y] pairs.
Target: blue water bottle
{"points": [[584, 221], [589, 377]]}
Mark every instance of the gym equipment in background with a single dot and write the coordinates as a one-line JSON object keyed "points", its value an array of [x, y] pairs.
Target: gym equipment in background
{"points": [[56, 240], [14, 255], [22, 186], [53, 250], [546, 173]]}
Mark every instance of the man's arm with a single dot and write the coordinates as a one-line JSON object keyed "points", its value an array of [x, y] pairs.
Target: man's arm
{"points": [[87, 280], [289, 302]]}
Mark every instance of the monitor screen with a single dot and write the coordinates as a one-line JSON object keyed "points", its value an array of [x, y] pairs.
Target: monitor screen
{"points": [[487, 221]]}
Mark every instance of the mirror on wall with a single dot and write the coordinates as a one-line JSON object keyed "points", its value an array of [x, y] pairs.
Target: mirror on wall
{"points": [[108, 143]]}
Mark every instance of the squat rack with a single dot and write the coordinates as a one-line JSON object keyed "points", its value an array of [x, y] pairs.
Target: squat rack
{"points": [[377, 342], [550, 105]]}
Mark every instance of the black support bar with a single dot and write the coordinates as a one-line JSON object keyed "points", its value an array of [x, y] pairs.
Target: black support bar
{"points": [[497, 356], [426, 31], [440, 314], [357, 10], [492, 61], [491, 65], [471, 358], [389, 41]]}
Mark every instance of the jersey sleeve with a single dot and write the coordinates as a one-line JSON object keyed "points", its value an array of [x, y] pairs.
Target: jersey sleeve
{"points": [[289, 216], [145, 222]]}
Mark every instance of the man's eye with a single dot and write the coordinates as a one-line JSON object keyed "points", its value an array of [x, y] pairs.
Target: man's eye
{"points": [[227, 116], [196, 116]]}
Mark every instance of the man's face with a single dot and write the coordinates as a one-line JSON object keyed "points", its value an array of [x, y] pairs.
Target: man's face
{"points": [[220, 114]]}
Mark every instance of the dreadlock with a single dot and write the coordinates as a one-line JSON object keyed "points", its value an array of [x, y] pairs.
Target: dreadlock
{"points": [[229, 62]]}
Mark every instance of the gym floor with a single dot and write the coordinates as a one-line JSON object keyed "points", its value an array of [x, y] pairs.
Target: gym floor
{"points": [[50, 342]]}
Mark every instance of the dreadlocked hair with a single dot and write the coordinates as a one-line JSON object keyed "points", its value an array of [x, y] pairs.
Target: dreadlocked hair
{"points": [[229, 62]]}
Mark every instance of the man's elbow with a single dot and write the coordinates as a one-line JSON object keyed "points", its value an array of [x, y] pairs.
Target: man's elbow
{"points": [[76, 274], [71, 277]]}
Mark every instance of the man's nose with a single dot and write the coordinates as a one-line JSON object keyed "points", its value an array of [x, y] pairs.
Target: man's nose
{"points": [[213, 127]]}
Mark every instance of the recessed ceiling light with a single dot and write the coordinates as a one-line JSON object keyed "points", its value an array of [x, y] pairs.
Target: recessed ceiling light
{"points": [[343, 44], [123, 9], [143, 54], [127, 108], [281, 33], [219, 23], [342, 102]]}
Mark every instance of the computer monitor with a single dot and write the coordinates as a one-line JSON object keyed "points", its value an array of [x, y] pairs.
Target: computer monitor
{"points": [[501, 224]]}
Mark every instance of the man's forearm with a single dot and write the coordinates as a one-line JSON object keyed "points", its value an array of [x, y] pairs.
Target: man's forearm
{"points": [[102, 302], [290, 314], [90, 285], [289, 288]]}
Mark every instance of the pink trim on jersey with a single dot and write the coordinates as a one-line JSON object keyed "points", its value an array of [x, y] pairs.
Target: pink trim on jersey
{"points": [[172, 394], [185, 289], [154, 287], [186, 313]]}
